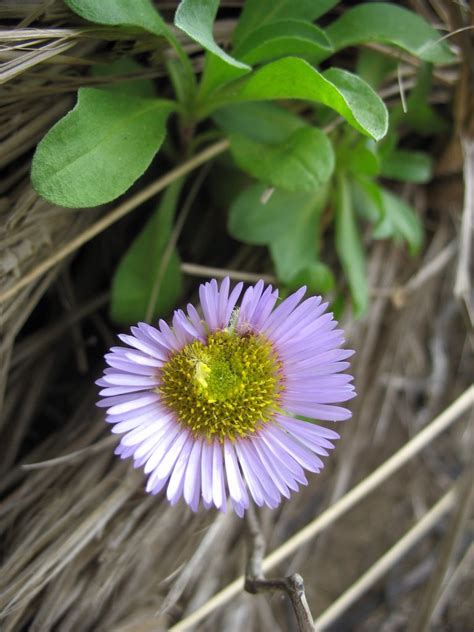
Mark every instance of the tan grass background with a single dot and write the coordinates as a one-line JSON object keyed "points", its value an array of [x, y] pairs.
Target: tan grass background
{"points": [[83, 548]]}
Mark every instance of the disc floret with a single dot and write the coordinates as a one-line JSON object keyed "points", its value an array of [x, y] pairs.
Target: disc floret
{"points": [[228, 387]]}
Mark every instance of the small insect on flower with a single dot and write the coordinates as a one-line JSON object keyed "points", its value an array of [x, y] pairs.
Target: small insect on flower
{"points": [[209, 406]]}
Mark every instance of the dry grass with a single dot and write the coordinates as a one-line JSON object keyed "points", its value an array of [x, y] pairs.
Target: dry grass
{"points": [[83, 547]]}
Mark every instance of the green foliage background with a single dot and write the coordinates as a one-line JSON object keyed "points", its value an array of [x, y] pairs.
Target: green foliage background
{"points": [[312, 144]]}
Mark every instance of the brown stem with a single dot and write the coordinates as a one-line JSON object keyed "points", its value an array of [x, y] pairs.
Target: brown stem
{"points": [[255, 581]]}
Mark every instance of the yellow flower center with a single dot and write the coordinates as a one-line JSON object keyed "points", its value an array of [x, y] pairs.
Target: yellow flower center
{"points": [[227, 388]]}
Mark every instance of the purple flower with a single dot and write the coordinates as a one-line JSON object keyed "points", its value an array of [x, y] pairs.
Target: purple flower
{"points": [[208, 405]]}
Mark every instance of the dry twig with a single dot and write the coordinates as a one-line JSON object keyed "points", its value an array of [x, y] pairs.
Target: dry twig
{"points": [[256, 582]]}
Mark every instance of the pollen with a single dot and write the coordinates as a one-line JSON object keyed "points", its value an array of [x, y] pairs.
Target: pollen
{"points": [[228, 387]]}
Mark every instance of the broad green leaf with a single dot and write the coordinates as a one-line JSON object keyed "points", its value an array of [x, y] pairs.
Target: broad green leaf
{"points": [[399, 221], [287, 222], [139, 13], [304, 161], [317, 277], [140, 271], [293, 78], [217, 74], [349, 247], [196, 19], [374, 67], [257, 13], [282, 39], [264, 122], [408, 166], [360, 158], [320, 7], [297, 249], [98, 150], [363, 161], [370, 113], [391, 24], [125, 66], [255, 219], [276, 146]]}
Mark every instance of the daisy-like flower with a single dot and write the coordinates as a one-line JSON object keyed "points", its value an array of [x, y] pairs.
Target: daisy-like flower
{"points": [[208, 406]]}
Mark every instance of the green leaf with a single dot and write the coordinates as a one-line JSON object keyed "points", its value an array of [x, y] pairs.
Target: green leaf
{"points": [[264, 122], [320, 7], [349, 247], [257, 13], [366, 107], [293, 78], [303, 162], [287, 222], [391, 24], [217, 74], [142, 14], [423, 119], [125, 66], [255, 219], [297, 249], [367, 199], [196, 19], [139, 13], [317, 277], [399, 221], [360, 158], [182, 79], [420, 115], [282, 39], [98, 150], [408, 166], [363, 161], [374, 67], [136, 278]]}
